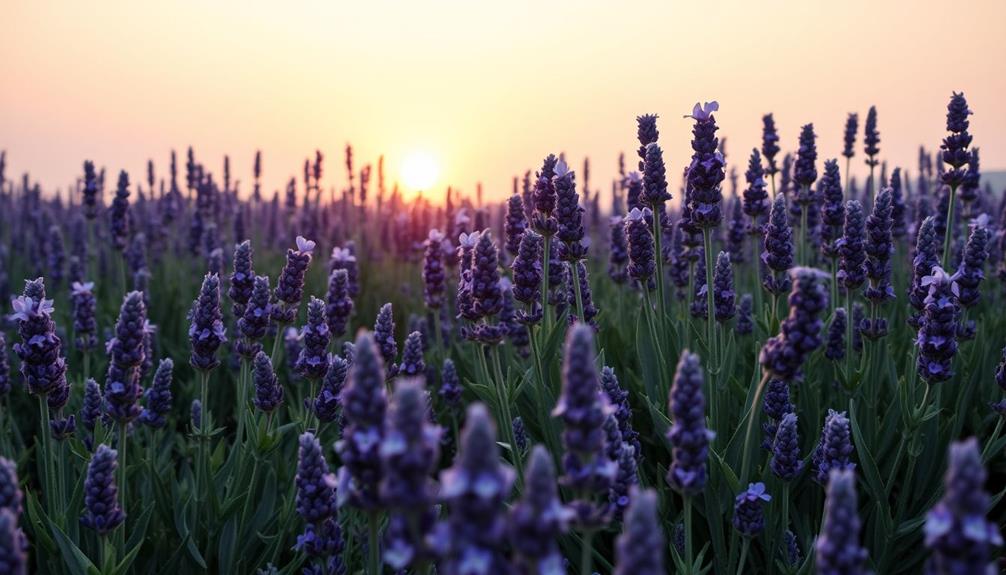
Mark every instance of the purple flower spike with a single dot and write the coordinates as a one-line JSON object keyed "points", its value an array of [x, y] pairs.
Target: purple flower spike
{"points": [[410, 450], [640, 548], [926, 258], [706, 172], [363, 408], [101, 505], [384, 335], [122, 385], [290, 286], [475, 490], [804, 169], [849, 140], [85, 326], [970, 273], [871, 138], [829, 188], [835, 448], [268, 391], [786, 462], [413, 364], [957, 532], [955, 146], [583, 411], [937, 339], [723, 289], [800, 333], [770, 144], [688, 436], [159, 396], [434, 274], [527, 274], [313, 360], [242, 280], [206, 327], [339, 304], [641, 250], [749, 515], [539, 518], [326, 404], [315, 483], [40, 350], [778, 252], [838, 548], [756, 203], [852, 249]]}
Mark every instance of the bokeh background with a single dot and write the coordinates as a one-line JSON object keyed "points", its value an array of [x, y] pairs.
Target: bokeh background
{"points": [[487, 89]]}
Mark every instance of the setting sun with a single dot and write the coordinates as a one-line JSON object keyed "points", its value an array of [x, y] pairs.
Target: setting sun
{"points": [[420, 171]]}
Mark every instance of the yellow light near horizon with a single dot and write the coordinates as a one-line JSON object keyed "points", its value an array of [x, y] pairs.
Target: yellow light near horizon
{"points": [[420, 171]]}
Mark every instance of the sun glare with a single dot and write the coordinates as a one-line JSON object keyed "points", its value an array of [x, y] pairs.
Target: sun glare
{"points": [[420, 171]]}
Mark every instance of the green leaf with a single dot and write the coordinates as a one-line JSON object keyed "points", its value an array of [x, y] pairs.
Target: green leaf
{"points": [[75, 559], [39, 520], [870, 471]]}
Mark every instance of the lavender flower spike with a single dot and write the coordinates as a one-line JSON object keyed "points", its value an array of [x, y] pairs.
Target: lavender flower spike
{"points": [[937, 339], [838, 549], [957, 532], [800, 333], [13, 559], [364, 404], [434, 275], [723, 289], [206, 330], [268, 391], [688, 435], [313, 360], [101, 504], [778, 252], [786, 462], [641, 250], [384, 335], [290, 286], [122, 386], [315, 483], [640, 548], [159, 396], [706, 171], [835, 449], [539, 518], [749, 516]]}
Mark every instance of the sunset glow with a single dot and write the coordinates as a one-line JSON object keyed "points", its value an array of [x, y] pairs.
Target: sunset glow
{"points": [[419, 171]]}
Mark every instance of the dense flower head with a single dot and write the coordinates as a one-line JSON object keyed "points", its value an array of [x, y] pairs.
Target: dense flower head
{"points": [[338, 303], [315, 483], [970, 273], [837, 546], [776, 405], [688, 435], [122, 385], [786, 462], [829, 188], [326, 405], [322, 539], [654, 191], [641, 251], [539, 518], [899, 211], [475, 489], [384, 335], [313, 360], [926, 257], [972, 178], [568, 214], [937, 338], [871, 137], [800, 333], [526, 268], [158, 396], [290, 285], [706, 171], [434, 273], [749, 515], [13, 556], [90, 191], [409, 451], [363, 409], [633, 191], [242, 280], [770, 143], [851, 248], [544, 197], [851, 127], [756, 202], [778, 251], [101, 505], [344, 258], [412, 356], [91, 408], [118, 214], [10, 489], [646, 133], [835, 347], [268, 391], [745, 311], [85, 325], [954, 150], [254, 323], [206, 327], [723, 289], [486, 290], [583, 410], [40, 351], [956, 531], [834, 451], [450, 385], [640, 549], [618, 398], [805, 168], [515, 223], [879, 247]]}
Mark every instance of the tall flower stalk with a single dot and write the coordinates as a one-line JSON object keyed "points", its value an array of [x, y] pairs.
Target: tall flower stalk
{"points": [[955, 155]]}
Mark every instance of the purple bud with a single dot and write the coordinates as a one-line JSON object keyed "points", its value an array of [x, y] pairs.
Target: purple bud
{"points": [[786, 462], [851, 127], [158, 396], [688, 435], [268, 391], [315, 483], [837, 548], [539, 518], [640, 548], [101, 506], [800, 333], [206, 327], [835, 449], [363, 409], [749, 515]]}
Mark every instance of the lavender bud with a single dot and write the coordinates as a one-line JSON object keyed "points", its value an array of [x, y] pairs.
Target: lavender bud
{"points": [[450, 385], [315, 483], [756, 203], [206, 327], [640, 547], [158, 396], [937, 338], [723, 289], [800, 333], [326, 405], [290, 286], [835, 348], [539, 518], [851, 127], [268, 391], [313, 360], [770, 143], [835, 448], [363, 409], [339, 303], [837, 547], [384, 335], [434, 275], [786, 462], [255, 321], [745, 322], [778, 252], [242, 280], [641, 250], [871, 137], [749, 516], [705, 173], [413, 364], [101, 506], [971, 272], [852, 263], [688, 435]]}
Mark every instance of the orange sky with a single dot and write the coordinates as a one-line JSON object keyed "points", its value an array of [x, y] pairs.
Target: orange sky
{"points": [[487, 88]]}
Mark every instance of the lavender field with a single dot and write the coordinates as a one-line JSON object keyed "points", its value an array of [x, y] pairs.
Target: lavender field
{"points": [[753, 364]]}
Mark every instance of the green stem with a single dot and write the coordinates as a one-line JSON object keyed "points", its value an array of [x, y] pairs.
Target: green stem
{"points": [[45, 456], [658, 251], [949, 233], [373, 551], [545, 257], [586, 551], [744, 555], [120, 533], [993, 439], [504, 398], [576, 291], [752, 416], [689, 552]]}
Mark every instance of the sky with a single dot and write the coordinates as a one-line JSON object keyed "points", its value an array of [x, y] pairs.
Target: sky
{"points": [[486, 89]]}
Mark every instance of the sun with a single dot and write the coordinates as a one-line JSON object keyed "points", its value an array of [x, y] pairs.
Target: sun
{"points": [[420, 170]]}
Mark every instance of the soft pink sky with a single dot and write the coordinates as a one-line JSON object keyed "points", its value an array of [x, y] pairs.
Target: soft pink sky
{"points": [[487, 88]]}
